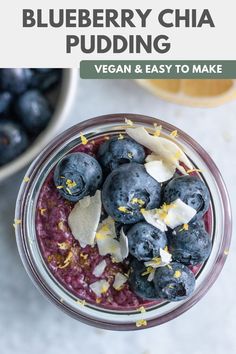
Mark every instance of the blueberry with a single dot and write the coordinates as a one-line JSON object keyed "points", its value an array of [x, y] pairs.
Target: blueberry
{"points": [[43, 70], [15, 81], [33, 110], [192, 246], [127, 190], [44, 79], [13, 141], [191, 190], [77, 175], [139, 283], [174, 282], [145, 241], [115, 152], [5, 101]]}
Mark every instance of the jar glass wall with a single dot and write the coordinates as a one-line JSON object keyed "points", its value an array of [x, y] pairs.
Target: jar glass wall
{"points": [[29, 247]]}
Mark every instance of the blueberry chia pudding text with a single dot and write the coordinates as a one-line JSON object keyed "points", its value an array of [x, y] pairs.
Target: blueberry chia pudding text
{"points": [[123, 221]]}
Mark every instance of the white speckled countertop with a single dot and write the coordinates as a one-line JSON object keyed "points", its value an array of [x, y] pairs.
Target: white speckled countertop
{"points": [[29, 324]]}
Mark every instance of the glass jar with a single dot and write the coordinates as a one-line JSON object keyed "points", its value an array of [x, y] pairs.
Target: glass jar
{"points": [[37, 268]]}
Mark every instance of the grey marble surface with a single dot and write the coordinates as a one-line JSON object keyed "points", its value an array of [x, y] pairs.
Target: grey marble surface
{"points": [[29, 324]]}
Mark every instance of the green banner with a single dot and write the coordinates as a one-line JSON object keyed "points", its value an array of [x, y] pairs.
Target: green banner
{"points": [[152, 69]]}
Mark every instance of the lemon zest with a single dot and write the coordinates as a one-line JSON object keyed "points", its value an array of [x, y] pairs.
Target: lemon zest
{"points": [[157, 126], [137, 201], [84, 256], [16, 222], [26, 179], [104, 289], [70, 184], [142, 309], [81, 302], [157, 129], [177, 274], [84, 140], [42, 211], [129, 122], [174, 133], [141, 323], [123, 209], [163, 211], [149, 270], [185, 227], [66, 261], [157, 260], [157, 133], [63, 245], [120, 137]]}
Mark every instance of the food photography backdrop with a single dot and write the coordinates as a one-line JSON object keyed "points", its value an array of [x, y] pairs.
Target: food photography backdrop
{"points": [[30, 324]]}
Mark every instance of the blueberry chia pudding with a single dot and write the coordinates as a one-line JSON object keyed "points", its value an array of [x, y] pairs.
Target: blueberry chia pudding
{"points": [[123, 222], [27, 104]]}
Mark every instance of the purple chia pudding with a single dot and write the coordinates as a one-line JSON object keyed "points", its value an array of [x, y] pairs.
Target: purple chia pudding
{"points": [[72, 265]]}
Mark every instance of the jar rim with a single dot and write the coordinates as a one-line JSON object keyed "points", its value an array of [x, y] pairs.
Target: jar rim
{"points": [[24, 198]]}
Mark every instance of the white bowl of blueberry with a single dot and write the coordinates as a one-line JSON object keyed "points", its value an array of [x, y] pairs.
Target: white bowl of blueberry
{"points": [[33, 105]]}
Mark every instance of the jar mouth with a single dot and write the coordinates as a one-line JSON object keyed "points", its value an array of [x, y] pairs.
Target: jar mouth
{"points": [[41, 275]]}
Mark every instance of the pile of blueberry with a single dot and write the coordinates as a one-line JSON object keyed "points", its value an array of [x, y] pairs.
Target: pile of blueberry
{"points": [[24, 108], [118, 170]]}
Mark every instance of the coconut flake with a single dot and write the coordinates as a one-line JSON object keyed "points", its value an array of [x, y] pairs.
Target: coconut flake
{"points": [[106, 228], [110, 246], [167, 149], [152, 217], [84, 219], [124, 245], [172, 215], [120, 280], [151, 275], [99, 269], [105, 237], [152, 157], [107, 241], [99, 287], [159, 171], [164, 259], [179, 213]]}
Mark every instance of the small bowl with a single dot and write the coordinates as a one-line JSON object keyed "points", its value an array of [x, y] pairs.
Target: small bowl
{"points": [[64, 101]]}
